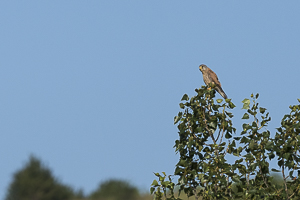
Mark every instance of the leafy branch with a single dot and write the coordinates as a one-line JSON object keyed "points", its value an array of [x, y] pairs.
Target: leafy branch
{"points": [[206, 141]]}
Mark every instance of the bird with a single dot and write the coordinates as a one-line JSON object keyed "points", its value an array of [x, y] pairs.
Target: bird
{"points": [[210, 77]]}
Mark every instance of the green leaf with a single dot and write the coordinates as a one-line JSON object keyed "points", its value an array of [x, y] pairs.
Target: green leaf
{"points": [[266, 134], [236, 178], [213, 124], [228, 135], [185, 97], [231, 105], [280, 163], [286, 155], [182, 162], [233, 143], [246, 116], [239, 161], [152, 190], [229, 114], [291, 174], [178, 171], [219, 100], [271, 156], [275, 170], [246, 103], [269, 145], [262, 110], [161, 179], [181, 105], [176, 119], [239, 150], [155, 183], [244, 140]]}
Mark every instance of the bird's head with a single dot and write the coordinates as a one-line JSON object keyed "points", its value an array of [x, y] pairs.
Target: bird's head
{"points": [[202, 67]]}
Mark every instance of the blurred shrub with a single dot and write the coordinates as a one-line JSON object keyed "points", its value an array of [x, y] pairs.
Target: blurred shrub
{"points": [[115, 190], [36, 182]]}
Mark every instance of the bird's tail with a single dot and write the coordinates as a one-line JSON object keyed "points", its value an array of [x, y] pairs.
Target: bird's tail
{"points": [[221, 92]]}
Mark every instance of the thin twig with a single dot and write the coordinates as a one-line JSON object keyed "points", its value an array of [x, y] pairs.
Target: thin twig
{"points": [[247, 177], [223, 130], [209, 131], [195, 193], [284, 180], [294, 192], [264, 179], [219, 135]]}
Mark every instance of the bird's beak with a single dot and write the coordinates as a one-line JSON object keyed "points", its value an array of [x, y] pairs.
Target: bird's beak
{"points": [[200, 68]]}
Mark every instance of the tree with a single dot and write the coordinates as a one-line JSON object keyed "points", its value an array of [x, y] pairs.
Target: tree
{"points": [[115, 190], [206, 141], [36, 182]]}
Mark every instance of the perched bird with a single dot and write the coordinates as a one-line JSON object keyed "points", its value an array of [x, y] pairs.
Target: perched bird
{"points": [[210, 77]]}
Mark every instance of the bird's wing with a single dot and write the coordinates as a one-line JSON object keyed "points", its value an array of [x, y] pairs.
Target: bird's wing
{"points": [[214, 77]]}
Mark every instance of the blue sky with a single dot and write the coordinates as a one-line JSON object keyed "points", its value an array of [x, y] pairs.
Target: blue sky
{"points": [[92, 87]]}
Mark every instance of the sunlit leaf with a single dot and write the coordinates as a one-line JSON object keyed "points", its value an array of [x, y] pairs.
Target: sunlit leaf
{"points": [[155, 183], [246, 103], [157, 174]]}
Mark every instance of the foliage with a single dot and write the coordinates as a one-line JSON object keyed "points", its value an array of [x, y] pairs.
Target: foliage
{"points": [[36, 182], [207, 140], [115, 190]]}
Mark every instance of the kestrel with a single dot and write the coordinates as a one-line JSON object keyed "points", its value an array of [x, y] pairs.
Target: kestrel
{"points": [[210, 77]]}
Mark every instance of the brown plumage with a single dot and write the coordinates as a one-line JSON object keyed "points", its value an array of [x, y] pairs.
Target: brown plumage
{"points": [[210, 77]]}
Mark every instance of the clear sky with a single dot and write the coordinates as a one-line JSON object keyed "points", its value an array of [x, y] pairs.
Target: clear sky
{"points": [[92, 87]]}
